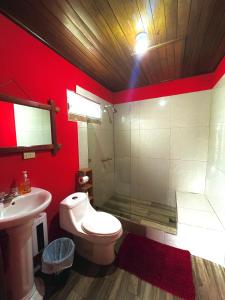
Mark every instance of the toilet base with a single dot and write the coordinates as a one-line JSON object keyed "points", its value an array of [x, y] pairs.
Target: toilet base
{"points": [[101, 254]]}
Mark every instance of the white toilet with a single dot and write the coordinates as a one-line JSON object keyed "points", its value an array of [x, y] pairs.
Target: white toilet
{"points": [[95, 233]]}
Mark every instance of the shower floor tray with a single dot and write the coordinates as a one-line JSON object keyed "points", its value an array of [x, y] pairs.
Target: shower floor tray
{"points": [[154, 215]]}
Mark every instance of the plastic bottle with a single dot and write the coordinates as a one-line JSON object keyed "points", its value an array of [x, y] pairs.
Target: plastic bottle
{"points": [[25, 186]]}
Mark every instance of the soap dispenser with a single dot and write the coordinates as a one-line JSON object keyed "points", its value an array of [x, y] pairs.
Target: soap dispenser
{"points": [[25, 186]]}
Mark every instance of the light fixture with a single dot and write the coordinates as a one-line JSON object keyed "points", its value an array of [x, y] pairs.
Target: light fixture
{"points": [[141, 43]]}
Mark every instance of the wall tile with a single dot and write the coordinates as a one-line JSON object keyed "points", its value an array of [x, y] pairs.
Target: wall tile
{"points": [[122, 176], [215, 186], [155, 143], [153, 179], [192, 109], [214, 144], [187, 176], [215, 180], [149, 137], [122, 117], [155, 115], [217, 146], [135, 115], [122, 143], [135, 143], [135, 174], [218, 105], [189, 143]]}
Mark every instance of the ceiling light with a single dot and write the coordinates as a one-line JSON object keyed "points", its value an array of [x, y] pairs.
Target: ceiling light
{"points": [[141, 43], [139, 26]]}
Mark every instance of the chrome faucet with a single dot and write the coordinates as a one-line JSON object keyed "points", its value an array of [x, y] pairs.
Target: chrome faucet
{"points": [[7, 198]]}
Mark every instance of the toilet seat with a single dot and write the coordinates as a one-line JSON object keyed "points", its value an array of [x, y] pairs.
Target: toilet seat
{"points": [[101, 223]]}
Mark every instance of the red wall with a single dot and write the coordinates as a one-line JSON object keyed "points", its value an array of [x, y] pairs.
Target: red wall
{"points": [[173, 87], [7, 125], [42, 74], [219, 72]]}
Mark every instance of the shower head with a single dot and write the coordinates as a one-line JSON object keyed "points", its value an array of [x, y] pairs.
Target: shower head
{"points": [[110, 107]]}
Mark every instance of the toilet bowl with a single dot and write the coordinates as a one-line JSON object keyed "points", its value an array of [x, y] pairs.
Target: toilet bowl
{"points": [[95, 232]]}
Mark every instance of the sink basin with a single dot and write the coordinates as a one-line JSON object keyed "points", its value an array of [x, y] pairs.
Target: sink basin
{"points": [[17, 219], [24, 207]]}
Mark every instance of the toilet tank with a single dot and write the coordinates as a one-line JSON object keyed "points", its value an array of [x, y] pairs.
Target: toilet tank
{"points": [[77, 204]]}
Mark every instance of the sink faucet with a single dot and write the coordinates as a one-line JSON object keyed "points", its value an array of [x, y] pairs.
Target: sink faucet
{"points": [[6, 199]]}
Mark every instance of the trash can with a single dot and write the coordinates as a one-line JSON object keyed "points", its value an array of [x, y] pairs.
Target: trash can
{"points": [[58, 256]]}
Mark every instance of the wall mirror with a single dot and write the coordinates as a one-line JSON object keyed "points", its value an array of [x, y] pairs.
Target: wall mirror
{"points": [[27, 125]]}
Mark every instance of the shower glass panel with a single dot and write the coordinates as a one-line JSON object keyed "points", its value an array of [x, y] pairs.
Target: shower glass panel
{"points": [[127, 180], [109, 157]]}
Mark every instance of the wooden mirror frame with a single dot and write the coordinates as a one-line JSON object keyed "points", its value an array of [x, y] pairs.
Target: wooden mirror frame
{"points": [[54, 147]]}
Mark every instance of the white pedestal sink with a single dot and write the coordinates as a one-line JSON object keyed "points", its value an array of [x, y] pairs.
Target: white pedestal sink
{"points": [[17, 220]]}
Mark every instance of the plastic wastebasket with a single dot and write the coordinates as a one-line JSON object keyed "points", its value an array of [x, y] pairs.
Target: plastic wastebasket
{"points": [[58, 256]]}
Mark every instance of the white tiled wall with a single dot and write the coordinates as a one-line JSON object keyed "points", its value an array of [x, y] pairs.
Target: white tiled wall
{"points": [[215, 180], [163, 145], [96, 143]]}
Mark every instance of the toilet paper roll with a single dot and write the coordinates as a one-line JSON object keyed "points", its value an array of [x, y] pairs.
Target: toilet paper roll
{"points": [[83, 180]]}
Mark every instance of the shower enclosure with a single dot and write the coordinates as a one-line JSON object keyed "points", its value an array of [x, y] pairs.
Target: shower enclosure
{"points": [[114, 153]]}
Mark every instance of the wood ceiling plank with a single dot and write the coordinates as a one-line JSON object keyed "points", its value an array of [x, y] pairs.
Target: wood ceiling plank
{"points": [[106, 20], [145, 12], [200, 33], [153, 61], [51, 32], [213, 38], [195, 14], [171, 17], [87, 13], [158, 13], [170, 53], [149, 61], [99, 36], [183, 16], [179, 52], [128, 17], [93, 33], [220, 52], [87, 46]]}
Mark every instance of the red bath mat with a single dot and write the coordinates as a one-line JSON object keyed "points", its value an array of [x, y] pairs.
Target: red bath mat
{"points": [[166, 267]]}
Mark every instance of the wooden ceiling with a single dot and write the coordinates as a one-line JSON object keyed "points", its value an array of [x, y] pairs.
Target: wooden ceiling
{"points": [[98, 36]]}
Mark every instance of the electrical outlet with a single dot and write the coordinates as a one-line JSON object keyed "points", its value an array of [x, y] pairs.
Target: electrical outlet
{"points": [[28, 155]]}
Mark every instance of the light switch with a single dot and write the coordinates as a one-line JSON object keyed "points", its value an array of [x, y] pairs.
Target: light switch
{"points": [[28, 155]]}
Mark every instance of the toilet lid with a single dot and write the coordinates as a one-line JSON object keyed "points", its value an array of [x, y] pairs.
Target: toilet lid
{"points": [[101, 223]]}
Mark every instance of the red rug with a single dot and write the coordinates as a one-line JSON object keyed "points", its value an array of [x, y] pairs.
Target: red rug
{"points": [[166, 267]]}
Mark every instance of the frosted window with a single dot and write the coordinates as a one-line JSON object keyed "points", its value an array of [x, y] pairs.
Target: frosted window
{"points": [[78, 105]]}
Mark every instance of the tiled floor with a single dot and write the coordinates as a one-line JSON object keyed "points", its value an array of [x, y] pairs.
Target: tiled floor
{"points": [[150, 214]]}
